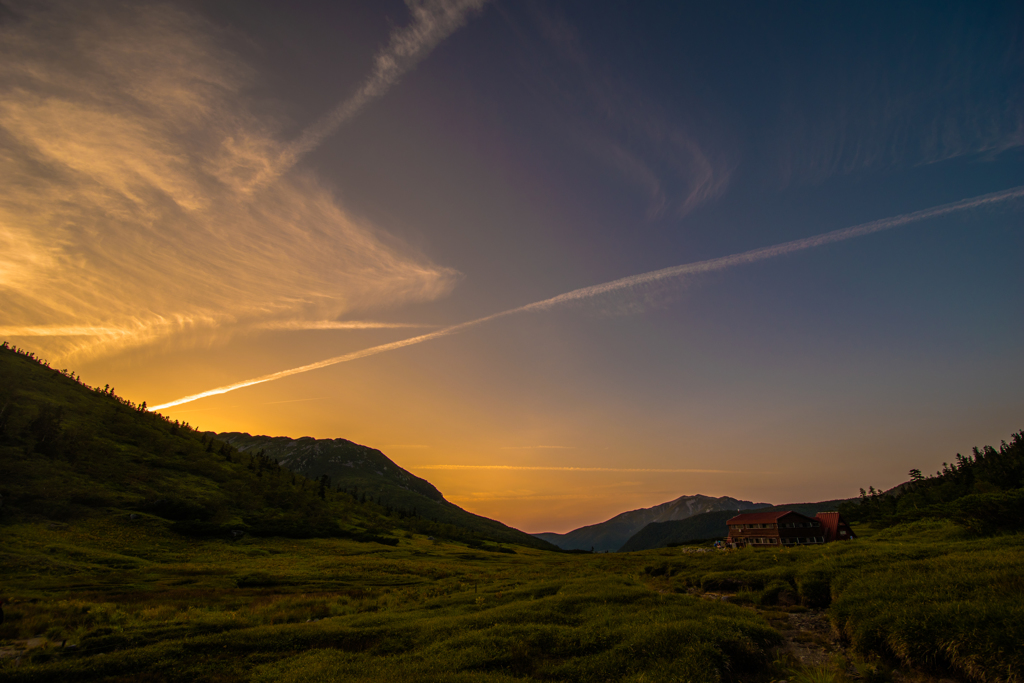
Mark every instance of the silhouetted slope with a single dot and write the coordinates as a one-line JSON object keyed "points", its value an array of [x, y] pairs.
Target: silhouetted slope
{"points": [[708, 525], [612, 534], [367, 473], [340, 459], [68, 450], [983, 491], [696, 528]]}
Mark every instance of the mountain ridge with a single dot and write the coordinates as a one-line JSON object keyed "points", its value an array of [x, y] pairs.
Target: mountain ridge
{"points": [[613, 533], [708, 525], [367, 473], [70, 452]]}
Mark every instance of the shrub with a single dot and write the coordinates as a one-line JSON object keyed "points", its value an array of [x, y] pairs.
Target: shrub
{"points": [[815, 590], [777, 591]]}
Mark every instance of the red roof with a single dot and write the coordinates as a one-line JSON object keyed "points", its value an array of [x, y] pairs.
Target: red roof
{"points": [[830, 523], [762, 517]]}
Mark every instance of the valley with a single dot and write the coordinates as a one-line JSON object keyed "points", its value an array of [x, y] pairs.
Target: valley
{"points": [[135, 544]]}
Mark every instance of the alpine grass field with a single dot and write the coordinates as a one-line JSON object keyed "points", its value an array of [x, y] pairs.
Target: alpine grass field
{"points": [[136, 548]]}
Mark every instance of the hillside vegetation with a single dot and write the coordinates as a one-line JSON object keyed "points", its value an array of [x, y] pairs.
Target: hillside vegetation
{"points": [[68, 451], [929, 594], [984, 492]]}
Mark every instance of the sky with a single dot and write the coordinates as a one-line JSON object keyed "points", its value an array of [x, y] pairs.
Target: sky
{"points": [[562, 260]]}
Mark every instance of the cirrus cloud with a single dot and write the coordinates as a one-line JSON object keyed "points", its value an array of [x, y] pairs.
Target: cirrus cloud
{"points": [[121, 128]]}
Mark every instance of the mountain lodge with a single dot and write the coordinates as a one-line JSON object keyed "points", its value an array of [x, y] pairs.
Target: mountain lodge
{"points": [[784, 528]]}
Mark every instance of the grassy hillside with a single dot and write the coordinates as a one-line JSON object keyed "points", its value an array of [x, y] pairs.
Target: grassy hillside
{"points": [[664, 534], [928, 594], [366, 474], [983, 492], [68, 451], [710, 525], [340, 459]]}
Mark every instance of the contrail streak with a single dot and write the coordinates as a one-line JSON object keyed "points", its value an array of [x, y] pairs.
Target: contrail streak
{"points": [[63, 331], [636, 280], [433, 21]]}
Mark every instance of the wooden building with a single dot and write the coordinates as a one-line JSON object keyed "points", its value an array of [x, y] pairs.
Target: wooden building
{"points": [[785, 528], [836, 528]]}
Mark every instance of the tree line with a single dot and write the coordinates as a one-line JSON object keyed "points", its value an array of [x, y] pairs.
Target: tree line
{"points": [[983, 491]]}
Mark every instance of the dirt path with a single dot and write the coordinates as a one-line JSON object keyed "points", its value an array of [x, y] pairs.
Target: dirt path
{"points": [[809, 637], [807, 633], [811, 641], [16, 648]]}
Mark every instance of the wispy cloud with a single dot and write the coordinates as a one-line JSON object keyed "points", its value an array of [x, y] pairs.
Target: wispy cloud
{"points": [[333, 325], [122, 127], [674, 162], [432, 22], [62, 331], [485, 496], [576, 469], [956, 93], [638, 282]]}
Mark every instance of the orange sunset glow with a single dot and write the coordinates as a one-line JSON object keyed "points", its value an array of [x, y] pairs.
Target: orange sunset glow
{"points": [[556, 270]]}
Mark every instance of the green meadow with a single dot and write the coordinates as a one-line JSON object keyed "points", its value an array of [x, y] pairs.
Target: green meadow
{"points": [[327, 609], [131, 596]]}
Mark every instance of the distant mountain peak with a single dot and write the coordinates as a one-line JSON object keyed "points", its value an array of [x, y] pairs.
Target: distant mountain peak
{"points": [[612, 534]]}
